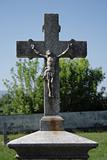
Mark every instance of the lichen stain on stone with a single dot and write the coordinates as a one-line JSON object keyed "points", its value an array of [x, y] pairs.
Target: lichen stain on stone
{"points": [[54, 125]]}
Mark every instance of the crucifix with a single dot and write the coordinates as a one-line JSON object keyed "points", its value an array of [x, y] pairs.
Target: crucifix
{"points": [[51, 141], [51, 49]]}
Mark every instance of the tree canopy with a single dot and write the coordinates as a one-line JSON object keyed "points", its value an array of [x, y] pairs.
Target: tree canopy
{"points": [[79, 86], [23, 89]]}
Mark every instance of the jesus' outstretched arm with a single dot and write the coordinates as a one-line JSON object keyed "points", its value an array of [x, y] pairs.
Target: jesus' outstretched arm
{"points": [[33, 47], [68, 49]]}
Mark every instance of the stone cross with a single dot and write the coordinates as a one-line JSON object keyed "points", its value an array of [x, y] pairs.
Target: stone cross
{"points": [[51, 49]]}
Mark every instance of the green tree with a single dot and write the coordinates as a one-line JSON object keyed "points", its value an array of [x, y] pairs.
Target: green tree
{"points": [[79, 85], [23, 90], [5, 104]]}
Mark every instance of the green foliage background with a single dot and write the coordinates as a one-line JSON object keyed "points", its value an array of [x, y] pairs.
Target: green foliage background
{"points": [[78, 87]]}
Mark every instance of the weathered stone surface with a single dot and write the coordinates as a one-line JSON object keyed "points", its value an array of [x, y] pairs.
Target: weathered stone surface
{"points": [[52, 144], [52, 123]]}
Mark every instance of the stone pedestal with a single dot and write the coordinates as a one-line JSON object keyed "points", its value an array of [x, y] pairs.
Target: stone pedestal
{"points": [[52, 142]]}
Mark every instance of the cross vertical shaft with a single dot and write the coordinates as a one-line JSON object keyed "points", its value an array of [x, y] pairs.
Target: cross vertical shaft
{"points": [[51, 35], [51, 30]]}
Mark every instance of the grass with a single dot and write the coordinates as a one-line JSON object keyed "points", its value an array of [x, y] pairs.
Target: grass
{"points": [[5, 152], [100, 153]]}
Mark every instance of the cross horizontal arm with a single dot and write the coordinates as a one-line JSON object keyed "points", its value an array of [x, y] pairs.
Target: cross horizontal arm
{"points": [[78, 49], [24, 49]]}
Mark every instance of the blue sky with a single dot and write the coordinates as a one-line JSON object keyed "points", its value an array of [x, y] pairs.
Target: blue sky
{"points": [[79, 19]]}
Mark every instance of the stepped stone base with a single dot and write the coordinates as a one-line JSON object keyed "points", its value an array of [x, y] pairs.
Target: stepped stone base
{"points": [[52, 145]]}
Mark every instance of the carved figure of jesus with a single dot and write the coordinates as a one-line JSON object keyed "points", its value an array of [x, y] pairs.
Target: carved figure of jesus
{"points": [[50, 58]]}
